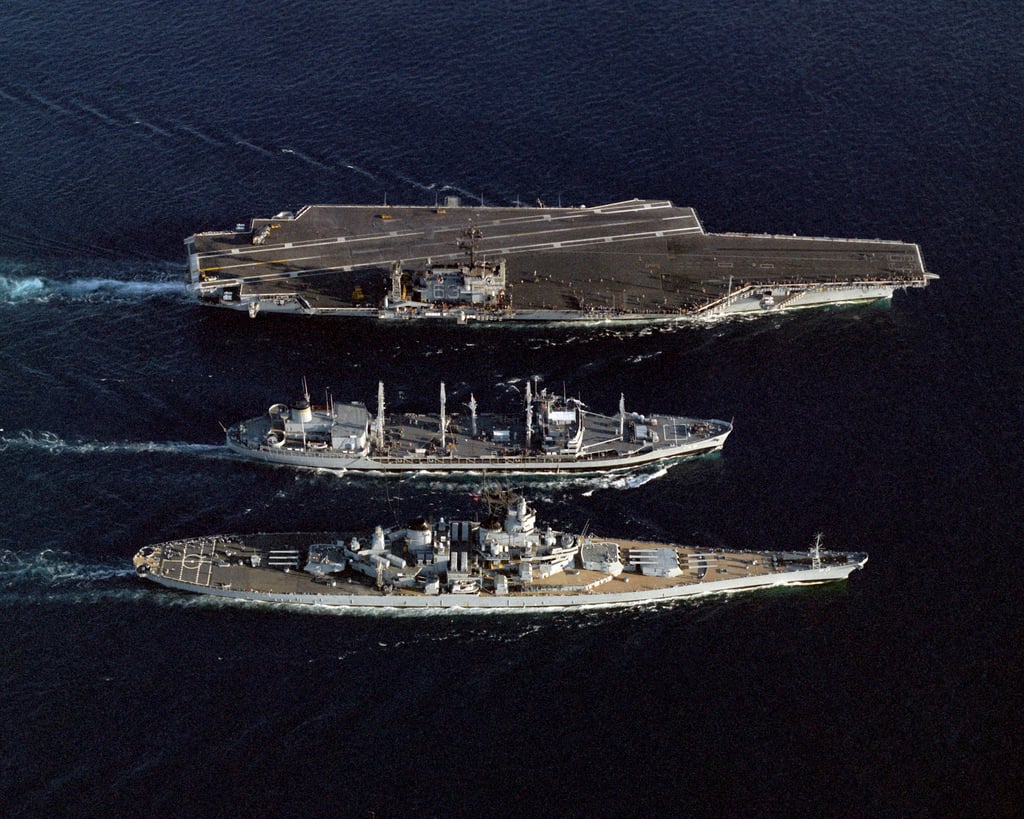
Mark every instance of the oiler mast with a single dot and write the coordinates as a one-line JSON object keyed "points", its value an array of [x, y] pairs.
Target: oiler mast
{"points": [[378, 424], [444, 419], [529, 414]]}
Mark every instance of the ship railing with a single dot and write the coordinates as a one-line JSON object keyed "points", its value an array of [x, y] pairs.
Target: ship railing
{"points": [[553, 459], [788, 298], [586, 448], [586, 453], [695, 428], [794, 237], [834, 283], [556, 458]]}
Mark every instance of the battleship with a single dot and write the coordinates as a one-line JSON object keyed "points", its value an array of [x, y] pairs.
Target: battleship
{"points": [[552, 434], [638, 260], [504, 562]]}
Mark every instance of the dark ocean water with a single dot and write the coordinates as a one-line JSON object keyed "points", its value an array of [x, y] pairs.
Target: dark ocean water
{"points": [[894, 428]]}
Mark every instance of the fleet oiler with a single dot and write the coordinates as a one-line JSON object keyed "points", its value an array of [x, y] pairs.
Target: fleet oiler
{"points": [[553, 434]]}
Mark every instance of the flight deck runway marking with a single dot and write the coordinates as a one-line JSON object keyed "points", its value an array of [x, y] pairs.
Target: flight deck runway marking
{"points": [[438, 249], [624, 237], [603, 227], [302, 243], [548, 218], [383, 259], [254, 264]]}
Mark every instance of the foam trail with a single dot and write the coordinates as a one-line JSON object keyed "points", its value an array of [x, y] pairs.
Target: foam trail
{"points": [[56, 568], [49, 104], [139, 289], [135, 119], [27, 439], [414, 184], [636, 359], [53, 576], [304, 158], [462, 192], [15, 289], [636, 481], [188, 129], [362, 171], [246, 144], [97, 113], [628, 481]]}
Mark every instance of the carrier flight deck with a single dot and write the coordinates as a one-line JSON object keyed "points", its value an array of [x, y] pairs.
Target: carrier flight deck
{"points": [[639, 260]]}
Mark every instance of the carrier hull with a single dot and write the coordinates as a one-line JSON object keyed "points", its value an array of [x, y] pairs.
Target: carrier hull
{"points": [[634, 261]]}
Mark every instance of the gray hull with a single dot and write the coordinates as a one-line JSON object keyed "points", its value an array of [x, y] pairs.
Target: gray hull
{"points": [[312, 459], [748, 301], [550, 434], [472, 602], [504, 562]]}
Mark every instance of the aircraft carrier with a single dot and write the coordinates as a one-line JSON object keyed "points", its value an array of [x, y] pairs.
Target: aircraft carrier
{"points": [[639, 260]]}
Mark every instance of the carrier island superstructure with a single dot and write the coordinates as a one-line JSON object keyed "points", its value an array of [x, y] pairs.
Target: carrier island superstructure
{"points": [[638, 260]]}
